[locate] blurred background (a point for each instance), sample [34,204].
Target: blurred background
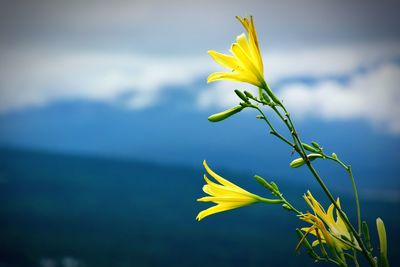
[103,128]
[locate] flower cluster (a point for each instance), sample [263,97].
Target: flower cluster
[324,226]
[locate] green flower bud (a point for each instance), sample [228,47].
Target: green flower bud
[316,145]
[266,99]
[242,96]
[286,207]
[310,148]
[334,156]
[225,114]
[275,186]
[383,260]
[297,163]
[264,183]
[367,237]
[304,241]
[313,156]
[300,161]
[248,94]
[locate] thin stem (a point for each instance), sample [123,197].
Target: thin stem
[290,205]
[355,258]
[353,184]
[273,131]
[270,201]
[342,215]
[327,192]
[302,153]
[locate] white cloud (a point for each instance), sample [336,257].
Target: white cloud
[29,78]
[373,96]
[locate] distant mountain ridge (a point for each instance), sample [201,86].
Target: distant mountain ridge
[181,135]
[100,211]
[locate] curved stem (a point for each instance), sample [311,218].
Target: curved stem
[353,184]
[273,131]
[341,213]
[300,149]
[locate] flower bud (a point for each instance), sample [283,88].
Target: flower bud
[275,186]
[297,163]
[264,183]
[266,99]
[310,148]
[367,237]
[225,114]
[241,96]
[383,260]
[304,241]
[248,94]
[316,145]
[300,161]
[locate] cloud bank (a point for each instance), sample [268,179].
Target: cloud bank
[339,83]
[33,78]
[373,96]
[358,82]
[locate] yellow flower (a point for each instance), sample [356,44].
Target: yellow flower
[226,195]
[246,62]
[325,227]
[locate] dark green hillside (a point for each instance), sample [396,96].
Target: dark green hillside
[103,212]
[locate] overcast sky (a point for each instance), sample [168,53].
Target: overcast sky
[99,50]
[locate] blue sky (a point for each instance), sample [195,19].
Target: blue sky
[127,78]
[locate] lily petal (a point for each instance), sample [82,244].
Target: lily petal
[226,61]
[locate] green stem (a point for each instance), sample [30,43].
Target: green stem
[273,131]
[353,184]
[355,258]
[342,215]
[302,153]
[270,201]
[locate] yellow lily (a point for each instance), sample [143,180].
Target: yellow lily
[337,235]
[246,61]
[226,195]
